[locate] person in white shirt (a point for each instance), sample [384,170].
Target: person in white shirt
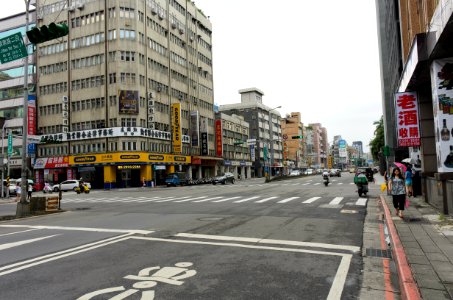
[18,191]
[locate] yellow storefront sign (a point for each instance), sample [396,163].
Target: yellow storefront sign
[124,157]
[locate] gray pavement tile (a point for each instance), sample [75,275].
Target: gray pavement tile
[413,251]
[434,294]
[429,282]
[417,259]
[414,245]
[407,238]
[446,277]
[437,257]
[423,269]
[449,287]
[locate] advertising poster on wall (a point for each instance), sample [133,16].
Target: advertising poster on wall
[194,128]
[128,102]
[176,124]
[442,86]
[407,121]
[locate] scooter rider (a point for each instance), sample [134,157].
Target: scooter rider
[325,175]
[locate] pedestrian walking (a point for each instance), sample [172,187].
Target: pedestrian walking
[408,181]
[18,191]
[397,189]
[29,190]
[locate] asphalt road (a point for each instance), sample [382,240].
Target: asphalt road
[292,239]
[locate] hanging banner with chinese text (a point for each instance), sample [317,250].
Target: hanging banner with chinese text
[407,122]
[218,138]
[442,87]
[176,124]
[194,128]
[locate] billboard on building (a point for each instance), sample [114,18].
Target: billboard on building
[218,138]
[407,121]
[128,102]
[31,124]
[176,124]
[204,136]
[442,87]
[194,128]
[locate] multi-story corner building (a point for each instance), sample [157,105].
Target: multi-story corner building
[12,92]
[127,96]
[320,146]
[232,134]
[293,140]
[264,129]
[420,33]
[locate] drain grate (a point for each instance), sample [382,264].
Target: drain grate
[378,253]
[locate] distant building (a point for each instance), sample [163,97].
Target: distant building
[320,146]
[293,145]
[268,138]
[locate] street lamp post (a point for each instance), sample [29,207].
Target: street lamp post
[271,143]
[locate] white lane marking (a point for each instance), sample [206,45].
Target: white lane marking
[336,201]
[57,255]
[311,200]
[351,183]
[131,231]
[190,199]
[317,183]
[268,241]
[288,199]
[226,199]
[11,233]
[306,183]
[167,199]
[20,243]
[265,199]
[361,201]
[340,278]
[247,199]
[209,199]
[340,183]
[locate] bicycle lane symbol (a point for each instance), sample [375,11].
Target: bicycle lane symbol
[145,281]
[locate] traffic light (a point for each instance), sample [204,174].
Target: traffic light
[297,137]
[46,33]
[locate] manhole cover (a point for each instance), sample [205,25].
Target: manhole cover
[210,219]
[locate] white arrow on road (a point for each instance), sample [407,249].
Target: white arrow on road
[15,244]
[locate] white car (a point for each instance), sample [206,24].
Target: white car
[68,185]
[294,173]
[308,172]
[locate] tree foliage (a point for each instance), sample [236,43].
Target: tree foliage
[378,142]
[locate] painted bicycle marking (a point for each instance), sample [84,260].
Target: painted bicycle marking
[146,281]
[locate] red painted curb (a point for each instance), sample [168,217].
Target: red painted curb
[409,288]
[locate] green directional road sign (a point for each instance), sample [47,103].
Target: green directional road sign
[12,47]
[10,144]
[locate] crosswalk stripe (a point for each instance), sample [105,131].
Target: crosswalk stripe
[209,199]
[222,200]
[307,183]
[288,199]
[166,200]
[311,200]
[265,199]
[361,201]
[190,199]
[340,183]
[247,199]
[317,183]
[336,200]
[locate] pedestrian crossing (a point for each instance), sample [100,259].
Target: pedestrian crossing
[306,184]
[329,201]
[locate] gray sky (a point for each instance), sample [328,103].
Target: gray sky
[319,58]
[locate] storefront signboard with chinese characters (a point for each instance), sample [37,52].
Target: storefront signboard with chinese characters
[442,87]
[407,121]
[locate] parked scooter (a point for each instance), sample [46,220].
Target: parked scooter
[47,188]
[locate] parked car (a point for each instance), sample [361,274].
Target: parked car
[175,179]
[335,172]
[69,185]
[227,177]
[294,173]
[309,172]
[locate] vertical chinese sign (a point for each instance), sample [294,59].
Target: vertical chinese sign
[194,128]
[176,124]
[204,136]
[407,122]
[442,87]
[31,115]
[218,138]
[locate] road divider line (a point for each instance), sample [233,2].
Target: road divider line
[311,200]
[336,201]
[265,199]
[23,242]
[288,199]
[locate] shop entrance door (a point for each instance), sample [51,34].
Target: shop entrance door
[126,178]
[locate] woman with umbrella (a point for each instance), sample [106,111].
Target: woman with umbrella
[397,190]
